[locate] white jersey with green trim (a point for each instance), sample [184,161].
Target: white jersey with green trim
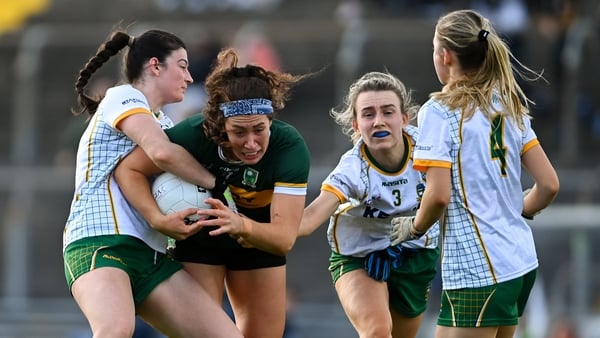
[98,206]
[370,197]
[485,239]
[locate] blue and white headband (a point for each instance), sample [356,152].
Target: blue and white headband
[246,107]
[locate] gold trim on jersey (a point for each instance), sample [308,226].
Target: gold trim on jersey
[467,207]
[136,110]
[333,190]
[112,205]
[291,185]
[251,199]
[406,157]
[342,209]
[530,145]
[422,165]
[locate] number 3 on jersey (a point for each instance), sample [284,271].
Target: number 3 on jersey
[497,148]
[397,197]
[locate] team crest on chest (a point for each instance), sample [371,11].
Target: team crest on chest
[250,177]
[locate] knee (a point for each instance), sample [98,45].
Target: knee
[377,329]
[115,329]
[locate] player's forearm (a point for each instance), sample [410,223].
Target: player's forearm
[136,188]
[308,225]
[279,235]
[539,198]
[435,198]
[427,215]
[276,239]
[318,212]
[312,219]
[178,161]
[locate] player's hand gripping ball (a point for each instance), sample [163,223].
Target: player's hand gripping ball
[173,194]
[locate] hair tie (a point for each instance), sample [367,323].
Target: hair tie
[483,34]
[131,41]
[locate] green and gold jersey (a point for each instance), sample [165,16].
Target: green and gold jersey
[283,169]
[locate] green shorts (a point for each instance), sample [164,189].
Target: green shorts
[408,285]
[495,305]
[146,267]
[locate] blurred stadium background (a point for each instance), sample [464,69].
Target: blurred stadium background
[43,44]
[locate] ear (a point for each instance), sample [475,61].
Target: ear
[355,125]
[447,57]
[405,119]
[153,63]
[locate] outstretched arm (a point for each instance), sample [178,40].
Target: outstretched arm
[318,212]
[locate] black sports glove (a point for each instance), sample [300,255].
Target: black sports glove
[379,263]
[221,192]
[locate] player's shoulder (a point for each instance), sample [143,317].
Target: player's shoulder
[286,135]
[190,127]
[194,121]
[284,128]
[356,150]
[349,164]
[435,107]
[124,95]
[353,156]
[124,90]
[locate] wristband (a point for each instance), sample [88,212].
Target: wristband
[527,217]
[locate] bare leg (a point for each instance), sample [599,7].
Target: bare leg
[179,307]
[405,327]
[465,332]
[102,289]
[506,331]
[210,277]
[366,303]
[258,299]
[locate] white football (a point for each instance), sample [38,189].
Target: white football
[173,194]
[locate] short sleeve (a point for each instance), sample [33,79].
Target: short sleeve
[344,179]
[529,137]
[434,141]
[121,102]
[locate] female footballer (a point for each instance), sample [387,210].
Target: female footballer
[475,136]
[383,288]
